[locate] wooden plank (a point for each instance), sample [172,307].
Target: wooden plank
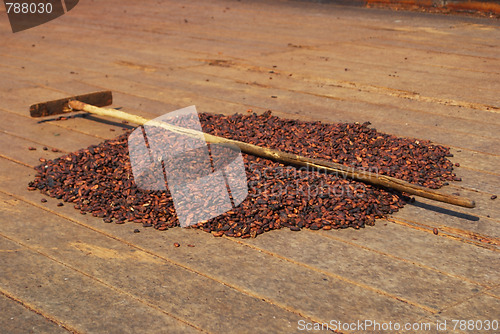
[57,291]
[335,257]
[468,262]
[49,133]
[476,160]
[394,79]
[484,307]
[476,180]
[469,226]
[20,152]
[15,318]
[409,58]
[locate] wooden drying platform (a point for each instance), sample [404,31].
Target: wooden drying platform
[416,75]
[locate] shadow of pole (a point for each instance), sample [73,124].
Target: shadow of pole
[444,211]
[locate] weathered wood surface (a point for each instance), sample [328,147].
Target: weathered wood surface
[415,75]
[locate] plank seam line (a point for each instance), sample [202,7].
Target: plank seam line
[479,170]
[33,309]
[370,88]
[463,301]
[154,88]
[471,150]
[15,161]
[235,287]
[30,140]
[338,277]
[420,265]
[403,220]
[489,293]
[321,47]
[492,294]
[459,187]
[466,299]
[448,234]
[109,286]
[421,49]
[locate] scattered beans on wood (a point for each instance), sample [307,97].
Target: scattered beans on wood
[99,180]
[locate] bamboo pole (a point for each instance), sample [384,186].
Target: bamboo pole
[288,158]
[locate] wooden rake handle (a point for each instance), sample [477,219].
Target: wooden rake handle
[288,158]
